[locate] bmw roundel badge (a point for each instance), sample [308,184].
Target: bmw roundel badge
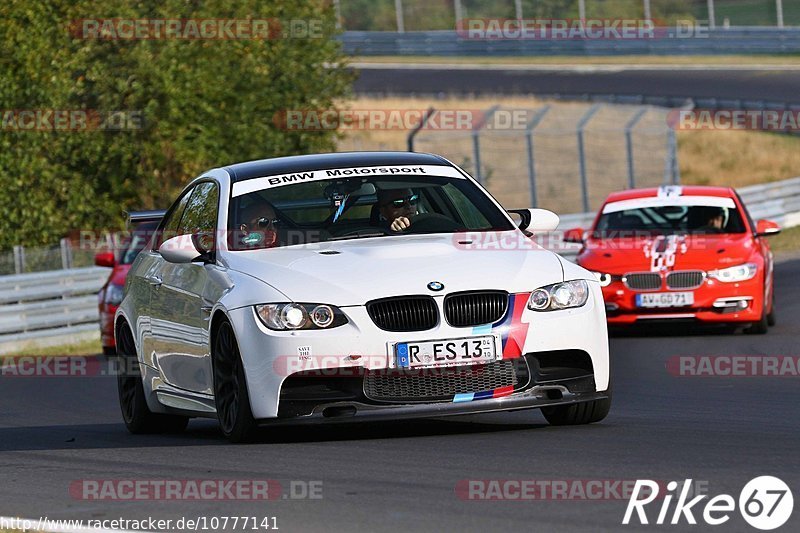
[436,286]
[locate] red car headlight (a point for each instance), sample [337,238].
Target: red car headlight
[735,273]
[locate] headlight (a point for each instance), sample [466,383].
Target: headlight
[604,279]
[291,316]
[736,273]
[114,294]
[559,296]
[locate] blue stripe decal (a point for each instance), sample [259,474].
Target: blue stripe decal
[463,397]
[482,330]
[482,395]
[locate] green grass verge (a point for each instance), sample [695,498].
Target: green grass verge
[91,347]
[786,241]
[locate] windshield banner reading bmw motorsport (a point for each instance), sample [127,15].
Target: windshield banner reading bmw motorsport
[257,184]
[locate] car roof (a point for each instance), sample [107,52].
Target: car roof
[303,163]
[685,190]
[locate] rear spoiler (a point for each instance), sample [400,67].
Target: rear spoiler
[154,215]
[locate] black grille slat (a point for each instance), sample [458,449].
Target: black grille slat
[406,313]
[685,279]
[441,384]
[468,309]
[643,281]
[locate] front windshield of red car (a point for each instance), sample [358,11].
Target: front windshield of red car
[670,219]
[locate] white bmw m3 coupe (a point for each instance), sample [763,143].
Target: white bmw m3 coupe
[350,287]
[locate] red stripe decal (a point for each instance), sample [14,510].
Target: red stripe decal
[517,331]
[503,391]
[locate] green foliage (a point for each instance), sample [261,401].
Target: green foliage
[203,103]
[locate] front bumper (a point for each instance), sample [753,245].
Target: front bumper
[715,302]
[534,398]
[270,357]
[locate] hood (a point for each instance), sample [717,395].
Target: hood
[666,252]
[353,272]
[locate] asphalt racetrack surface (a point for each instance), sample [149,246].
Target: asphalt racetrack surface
[731,84]
[720,432]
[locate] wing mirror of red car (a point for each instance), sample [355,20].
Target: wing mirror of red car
[574,235]
[765,228]
[104,259]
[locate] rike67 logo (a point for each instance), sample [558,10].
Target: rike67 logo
[765,503]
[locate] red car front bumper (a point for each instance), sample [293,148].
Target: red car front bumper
[714,302]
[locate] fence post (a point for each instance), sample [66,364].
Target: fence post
[582,10]
[672,174]
[629,145]
[711,22]
[19,259]
[582,155]
[337,9]
[518,9]
[647,13]
[779,10]
[413,133]
[401,23]
[66,254]
[537,118]
[458,11]
[476,143]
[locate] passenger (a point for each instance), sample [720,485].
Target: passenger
[258,225]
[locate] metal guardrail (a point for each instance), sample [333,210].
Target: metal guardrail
[48,304]
[63,303]
[738,40]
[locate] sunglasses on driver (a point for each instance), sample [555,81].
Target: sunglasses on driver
[403,202]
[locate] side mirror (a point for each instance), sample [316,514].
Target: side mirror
[104,259]
[181,249]
[765,228]
[574,235]
[536,220]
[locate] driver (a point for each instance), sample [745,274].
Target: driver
[715,220]
[397,206]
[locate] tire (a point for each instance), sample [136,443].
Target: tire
[230,387]
[578,413]
[762,326]
[138,418]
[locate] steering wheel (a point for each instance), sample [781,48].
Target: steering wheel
[432,223]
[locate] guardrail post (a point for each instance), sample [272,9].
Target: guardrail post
[629,144]
[19,259]
[66,254]
[410,140]
[537,118]
[582,154]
